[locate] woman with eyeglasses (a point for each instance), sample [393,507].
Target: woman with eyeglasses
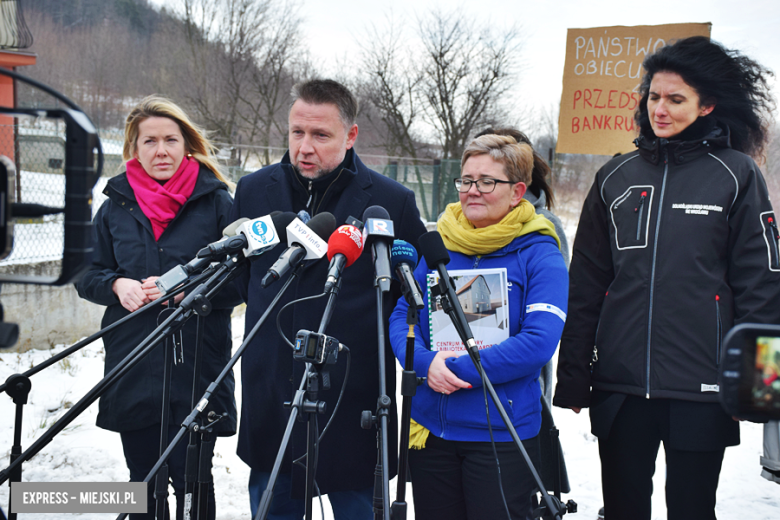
[457,449]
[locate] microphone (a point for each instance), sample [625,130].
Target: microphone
[403,260]
[306,242]
[344,247]
[180,273]
[251,236]
[234,240]
[436,254]
[378,233]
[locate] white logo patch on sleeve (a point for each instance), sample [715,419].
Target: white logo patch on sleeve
[710,388]
[546,307]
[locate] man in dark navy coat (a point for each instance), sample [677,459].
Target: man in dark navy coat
[320,173]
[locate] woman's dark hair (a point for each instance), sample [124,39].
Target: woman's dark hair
[541,170]
[737,85]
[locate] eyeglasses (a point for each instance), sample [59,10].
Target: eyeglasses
[486,185]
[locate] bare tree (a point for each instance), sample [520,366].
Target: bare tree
[447,88]
[392,85]
[281,61]
[467,69]
[223,37]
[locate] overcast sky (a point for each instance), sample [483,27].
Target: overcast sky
[332,29]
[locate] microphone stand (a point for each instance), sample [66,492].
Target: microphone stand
[192,463]
[367,420]
[311,406]
[171,324]
[409,384]
[199,304]
[18,386]
[161,485]
[451,305]
[189,423]
[102,332]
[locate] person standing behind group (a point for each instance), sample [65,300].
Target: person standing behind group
[171,201]
[540,194]
[452,462]
[321,172]
[677,243]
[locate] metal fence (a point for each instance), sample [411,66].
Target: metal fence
[39,157]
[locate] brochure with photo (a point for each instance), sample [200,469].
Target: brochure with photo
[484,297]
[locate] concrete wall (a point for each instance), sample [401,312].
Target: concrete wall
[47,315]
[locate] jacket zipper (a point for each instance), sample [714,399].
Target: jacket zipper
[308,202]
[652,272]
[640,209]
[775,237]
[719,327]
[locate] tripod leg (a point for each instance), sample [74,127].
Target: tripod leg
[205,480]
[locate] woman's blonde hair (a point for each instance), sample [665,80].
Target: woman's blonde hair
[196,143]
[517,158]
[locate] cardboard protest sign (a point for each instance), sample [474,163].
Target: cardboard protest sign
[601,83]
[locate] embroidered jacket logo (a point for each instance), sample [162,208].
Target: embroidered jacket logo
[698,209]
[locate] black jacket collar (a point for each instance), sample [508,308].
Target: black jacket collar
[693,142]
[315,195]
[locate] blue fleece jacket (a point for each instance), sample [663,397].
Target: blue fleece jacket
[536,274]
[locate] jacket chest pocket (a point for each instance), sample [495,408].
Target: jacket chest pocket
[771,236]
[630,214]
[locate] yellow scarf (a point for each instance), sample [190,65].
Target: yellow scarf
[460,235]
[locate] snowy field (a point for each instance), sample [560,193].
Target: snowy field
[84,452]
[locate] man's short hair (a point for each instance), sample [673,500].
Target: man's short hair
[321,91]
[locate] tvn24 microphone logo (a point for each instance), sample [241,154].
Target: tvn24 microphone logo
[263,233]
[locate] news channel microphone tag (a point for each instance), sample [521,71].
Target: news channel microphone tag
[378,227]
[402,249]
[299,233]
[260,233]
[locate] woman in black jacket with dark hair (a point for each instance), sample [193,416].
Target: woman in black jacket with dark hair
[676,244]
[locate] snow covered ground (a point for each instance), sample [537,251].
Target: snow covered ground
[84,452]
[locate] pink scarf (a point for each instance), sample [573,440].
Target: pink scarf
[161,203]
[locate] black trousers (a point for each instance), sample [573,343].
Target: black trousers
[459,481]
[628,457]
[142,448]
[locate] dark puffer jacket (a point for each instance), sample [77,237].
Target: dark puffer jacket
[125,247]
[677,243]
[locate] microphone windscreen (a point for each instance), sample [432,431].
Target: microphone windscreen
[375,212]
[231,229]
[281,221]
[346,240]
[322,224]
[402,252]
[433,250]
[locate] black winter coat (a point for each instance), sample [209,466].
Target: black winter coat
[125,247]
[347,454]
[675,246]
